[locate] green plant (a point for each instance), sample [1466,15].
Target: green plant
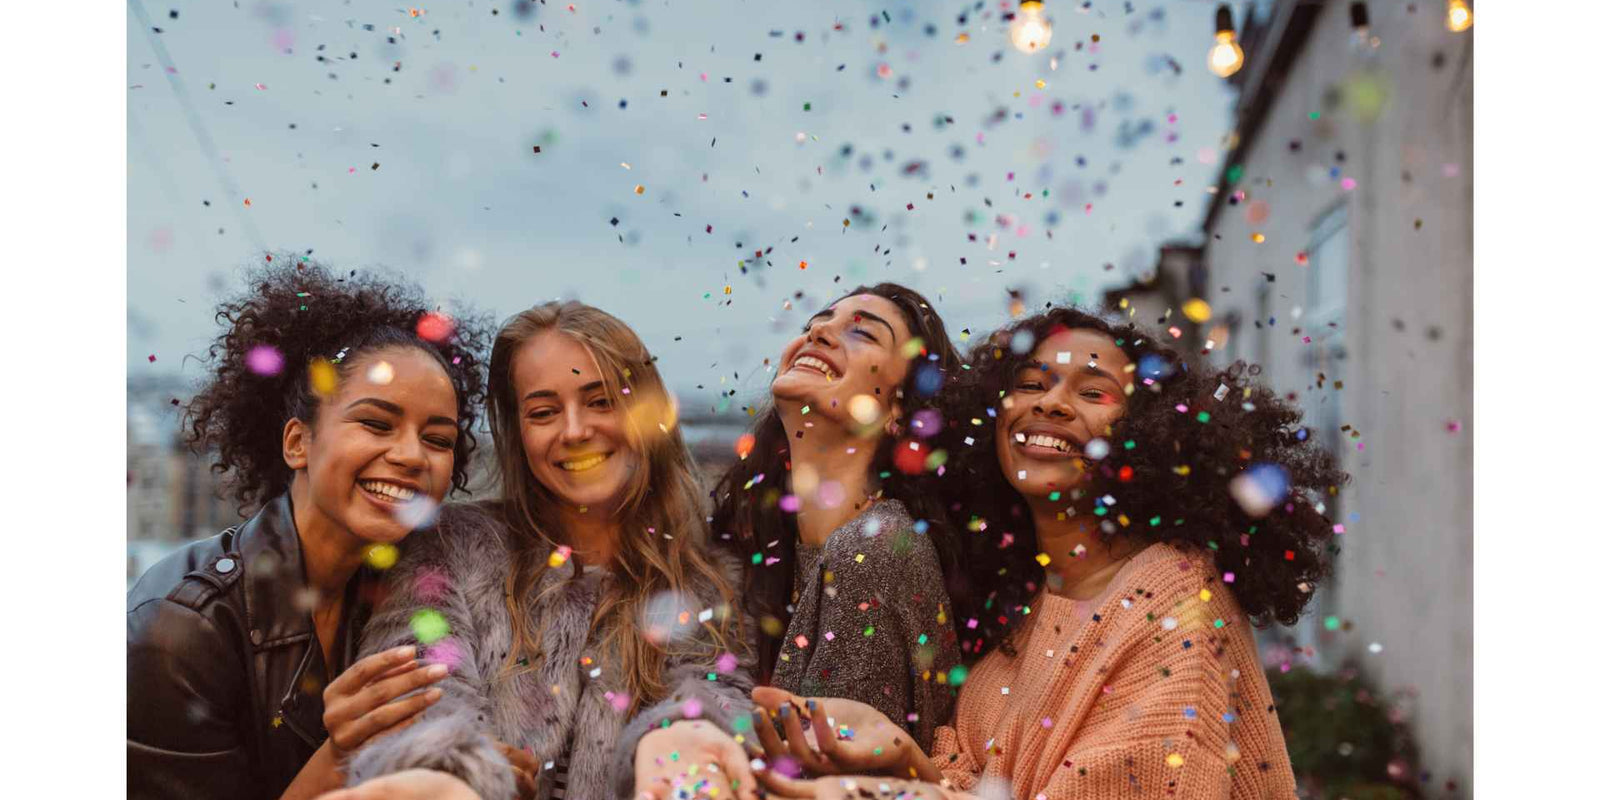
[1344,743]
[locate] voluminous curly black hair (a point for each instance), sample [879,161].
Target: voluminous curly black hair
[1186,434]
[748,518]
[296,311]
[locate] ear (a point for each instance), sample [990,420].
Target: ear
[895,425]
[296,438]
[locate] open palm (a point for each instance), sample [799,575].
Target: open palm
[843,736]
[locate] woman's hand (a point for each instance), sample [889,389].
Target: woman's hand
[524,767]
[360,705]
[845,736]
[411,784]
[849,787]
[665,756]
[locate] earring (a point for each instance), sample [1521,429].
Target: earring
[892,427]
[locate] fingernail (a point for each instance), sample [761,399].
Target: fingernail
[409,651]
[811,705]
[438,671]
[435,693]
[783,711]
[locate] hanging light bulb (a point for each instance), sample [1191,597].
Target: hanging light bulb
[1459,17]
[1030,31]
[1361,38]
[1226,57]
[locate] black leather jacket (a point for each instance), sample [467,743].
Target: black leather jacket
[225,674]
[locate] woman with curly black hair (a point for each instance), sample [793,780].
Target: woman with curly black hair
[1132,513]
[343,408]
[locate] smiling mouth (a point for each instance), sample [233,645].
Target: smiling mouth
[386,492]
[817,364]
[1039,441]
[583,463]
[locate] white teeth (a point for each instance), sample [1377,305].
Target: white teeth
[389,490]
[816,364]
[587,462]
[1045,441]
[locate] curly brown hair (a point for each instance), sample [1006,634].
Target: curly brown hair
[1188,431]
[294,311]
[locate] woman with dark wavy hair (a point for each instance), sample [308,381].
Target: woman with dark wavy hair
[851,567]
[343,408]
[1133,513]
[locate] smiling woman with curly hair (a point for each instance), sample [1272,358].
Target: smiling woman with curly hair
[341,407]
[1130,513]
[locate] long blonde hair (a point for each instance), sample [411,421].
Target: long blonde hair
[664,531]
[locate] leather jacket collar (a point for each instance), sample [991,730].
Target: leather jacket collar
[270,545]
[273,585]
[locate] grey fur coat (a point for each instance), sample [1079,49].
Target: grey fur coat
[458,570]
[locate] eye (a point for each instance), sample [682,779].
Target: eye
[442,443]
[376,425]
[1030,386]
[863,332]
[541,413]
[600,402]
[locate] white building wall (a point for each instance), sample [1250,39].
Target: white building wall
[1405,575]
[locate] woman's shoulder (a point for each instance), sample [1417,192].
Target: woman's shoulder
[885,541]
[461,533]
[179,620]
[1166,567]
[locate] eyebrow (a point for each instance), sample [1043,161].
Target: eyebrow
[584,389]
[1093,372]
[827,313]
[397,410]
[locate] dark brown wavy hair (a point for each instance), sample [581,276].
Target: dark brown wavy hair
[1168,471]
[303,311]
[748,518]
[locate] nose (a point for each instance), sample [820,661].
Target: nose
[823,333]
[407,453]
[1055,404]
[576,428]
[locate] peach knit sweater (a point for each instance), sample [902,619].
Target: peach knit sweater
[1152,690]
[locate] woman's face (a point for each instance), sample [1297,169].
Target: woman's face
[851,349]
[1070,393]
[573,433]
[378,460]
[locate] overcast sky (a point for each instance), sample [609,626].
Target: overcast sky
[377,135]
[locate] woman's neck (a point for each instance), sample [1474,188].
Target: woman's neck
[1082,561]
[331,552]
[592,532]
[828,452]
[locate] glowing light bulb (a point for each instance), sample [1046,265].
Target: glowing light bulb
[1459,16]
[1226,56]
[1030,31]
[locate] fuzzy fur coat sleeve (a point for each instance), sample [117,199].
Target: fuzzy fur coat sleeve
[702,685]
[443,590]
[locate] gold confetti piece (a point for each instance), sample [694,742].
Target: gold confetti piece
[381,556]
[638,189]
[324,377]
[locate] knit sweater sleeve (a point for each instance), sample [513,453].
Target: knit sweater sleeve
[702,684]
[433,590]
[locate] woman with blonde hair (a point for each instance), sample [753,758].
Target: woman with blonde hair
[582,607]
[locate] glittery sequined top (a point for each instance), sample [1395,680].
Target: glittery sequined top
[872,622]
